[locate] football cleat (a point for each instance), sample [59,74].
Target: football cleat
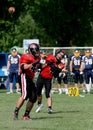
[18,92]
[49,110]
[10,92]
[39,107]
[26,118]
[84,91]
[15,115]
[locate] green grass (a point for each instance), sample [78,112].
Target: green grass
[69,113]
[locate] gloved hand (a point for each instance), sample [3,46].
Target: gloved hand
[55,70]
[8,73]
[35,63]
[81,72]
[50,63]
[63,75]
[33,69]
[71,73]
[60,74]
[18,73]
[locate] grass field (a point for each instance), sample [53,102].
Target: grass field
[69,113]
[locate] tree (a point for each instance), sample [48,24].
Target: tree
[54,22]
[65,21]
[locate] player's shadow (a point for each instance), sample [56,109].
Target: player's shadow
[47,117]
[55,112]
[73,111]
[57,116]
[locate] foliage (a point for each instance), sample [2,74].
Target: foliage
[66,21]
[28,29]
[55,23]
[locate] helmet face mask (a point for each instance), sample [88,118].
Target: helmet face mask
[34,49]
[59,54]
[43,53]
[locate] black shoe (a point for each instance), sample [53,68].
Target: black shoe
[49,110]
[15,115]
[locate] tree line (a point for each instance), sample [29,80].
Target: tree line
[59,23]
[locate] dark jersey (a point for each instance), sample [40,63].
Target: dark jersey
[88,62]
[76,61]
[14,63]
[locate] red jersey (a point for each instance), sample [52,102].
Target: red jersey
[28,59]
[61,65]
[51,58]
[46,72]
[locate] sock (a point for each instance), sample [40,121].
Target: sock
[39,102]
[11,90]
[88,87]
[50,107]
[60,90]
[16,110]
[66,90]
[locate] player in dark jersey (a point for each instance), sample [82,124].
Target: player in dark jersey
[13,69]
[87,68]
[28,66]
[75,64]
[48,70]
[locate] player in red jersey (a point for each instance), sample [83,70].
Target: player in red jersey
[48,71]
[63,76]
[28,65]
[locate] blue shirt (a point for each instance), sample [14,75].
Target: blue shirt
[76,61]
[88,62]
[14,63]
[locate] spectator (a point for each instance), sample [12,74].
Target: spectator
[87,68]
[75,64]
[13,70]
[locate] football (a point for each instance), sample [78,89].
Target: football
[11,9]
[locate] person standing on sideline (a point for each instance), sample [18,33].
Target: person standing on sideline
[28,66]
[87,68]
[75,65]
[13,70]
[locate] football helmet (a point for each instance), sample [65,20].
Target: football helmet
[27,51]
[76,53]
[88,52]
[43,53]
[34,49]
[59,54]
